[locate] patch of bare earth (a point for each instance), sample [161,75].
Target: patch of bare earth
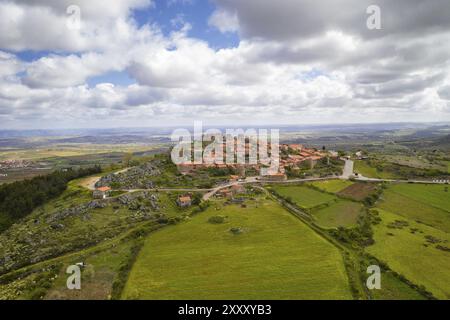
[358,191]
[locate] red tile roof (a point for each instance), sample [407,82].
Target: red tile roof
[104,189]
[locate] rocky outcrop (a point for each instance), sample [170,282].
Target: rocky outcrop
[135,178]
[51,234]
[143,201]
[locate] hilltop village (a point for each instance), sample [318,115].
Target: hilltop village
[292,157]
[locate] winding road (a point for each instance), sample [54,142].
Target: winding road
[347,174]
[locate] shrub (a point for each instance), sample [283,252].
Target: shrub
[216,220]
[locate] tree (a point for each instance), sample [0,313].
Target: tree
[20,198]
[127,159]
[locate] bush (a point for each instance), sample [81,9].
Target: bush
[38,294]
[216,220]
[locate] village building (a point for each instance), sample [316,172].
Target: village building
[184,201]
[295,155]
[101,193]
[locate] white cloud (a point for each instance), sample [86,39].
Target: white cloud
[296,61]
[224,20]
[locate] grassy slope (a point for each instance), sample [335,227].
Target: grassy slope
[363,168]
[342,213]
[434,195]
[329,211]
[419,203]
[98,276]
[394,289]
[104,260]
[303,196]
[78,232]
[406,254]
[276,257]
[332,186]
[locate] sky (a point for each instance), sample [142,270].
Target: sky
[144,63]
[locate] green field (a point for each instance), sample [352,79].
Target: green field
[434,195]
[394,289]
[363,168]
[428,204]
[303,196]
[407,251]
[342,213]
[332,186]
[275,256]
[97,277]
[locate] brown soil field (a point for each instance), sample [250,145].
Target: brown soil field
[358,191]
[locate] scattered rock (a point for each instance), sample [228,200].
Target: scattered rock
[236,230]
[57,226]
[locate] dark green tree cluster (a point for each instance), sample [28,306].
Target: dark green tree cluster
[20,198]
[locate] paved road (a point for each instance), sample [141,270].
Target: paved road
[252,180]
[348,169]
[362,178]
[346,174]
[167,189]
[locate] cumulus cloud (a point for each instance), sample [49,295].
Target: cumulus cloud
[224,20]
[294,19]
[297,60]
[42,24]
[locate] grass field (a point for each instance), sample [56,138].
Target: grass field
[303,196]
[364,169]
[97,277]
[275,256]
[407,251]
[429,204]
[342,213]
[332,186]
[394,289]
[434,195]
